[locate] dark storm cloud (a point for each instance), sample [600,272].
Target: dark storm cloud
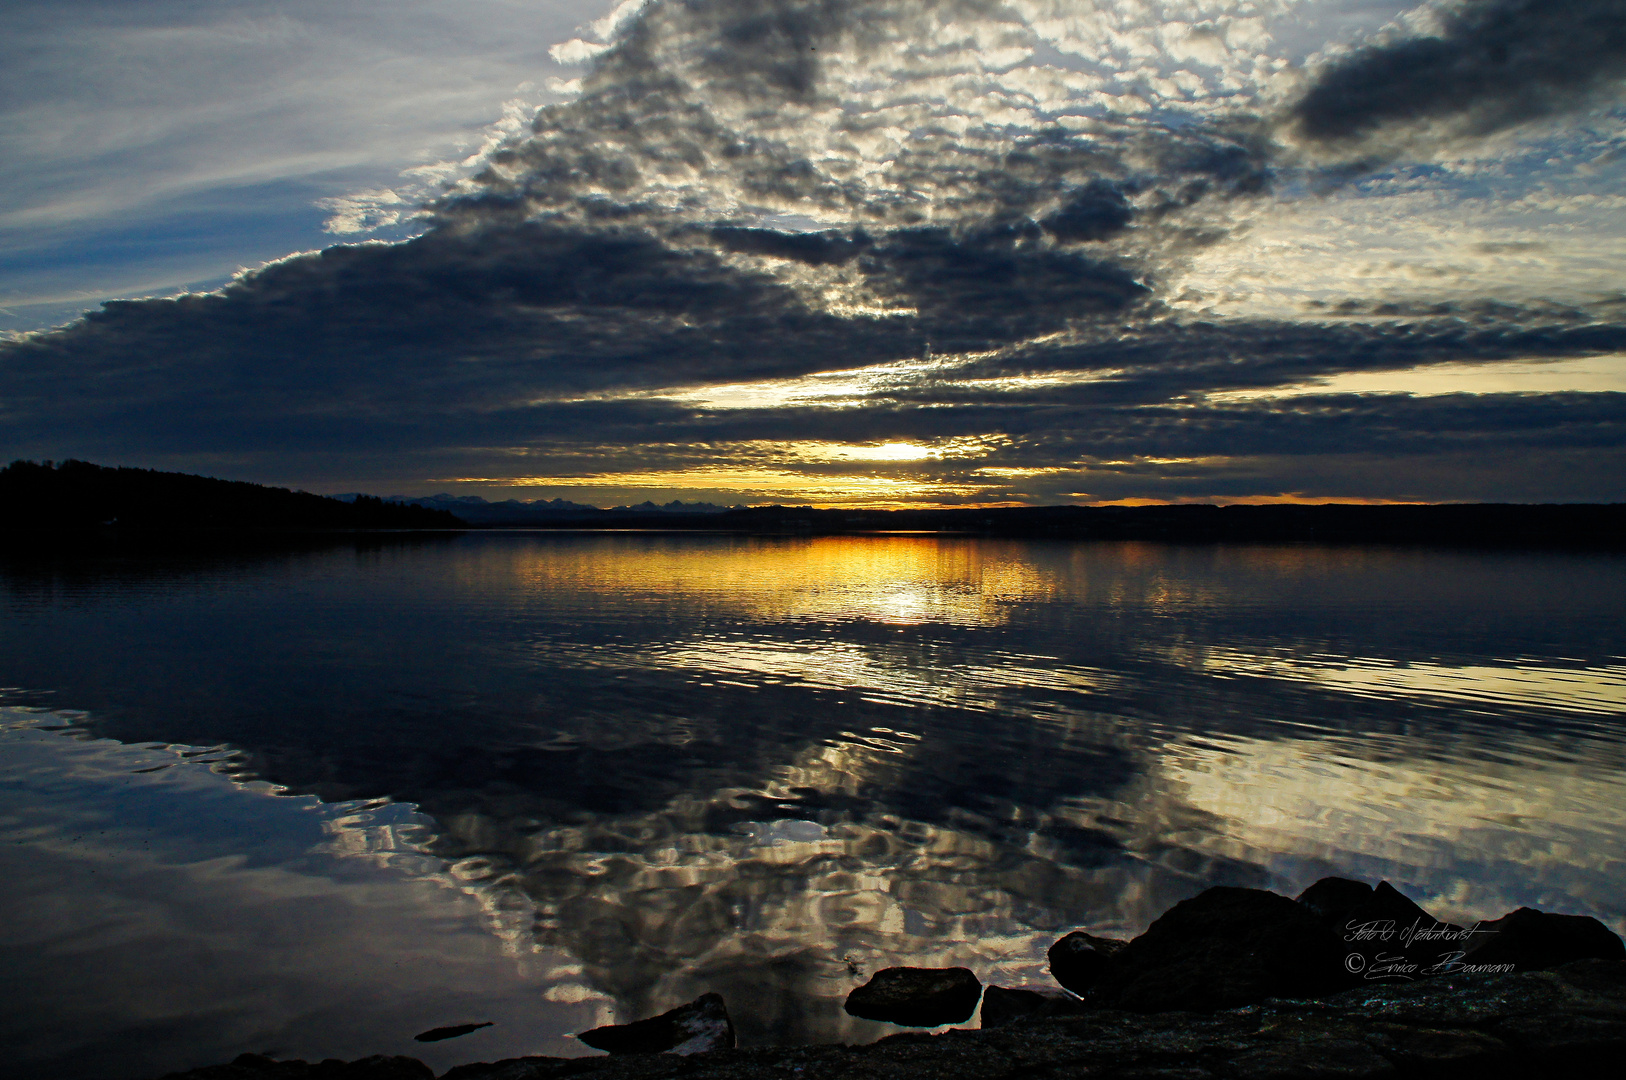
[995,284]
[1494,64]
[450,321]
[1043,432]
[1383,424]
[1166,359]
[815,249]
[478,318]
[1096,212]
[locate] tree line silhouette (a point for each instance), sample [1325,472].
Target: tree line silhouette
[76,495]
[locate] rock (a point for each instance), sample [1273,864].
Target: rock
[525,1068]
[701,1025]
[917,997]
[1077,960]
[1223,948]
[1534,940]
[260,1067]
[1570,1045]
[1313,1059]
[1002,1005]
[1335,898]
[450,1031]
[1391,935]
[387,1067]
[1570,1022]
[1600,978]
[1434,1051]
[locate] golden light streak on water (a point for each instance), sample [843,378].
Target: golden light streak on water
[1598,691]
[899,580]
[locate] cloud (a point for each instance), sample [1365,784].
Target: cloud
[1492,64]
[875,112]
[758,193]
[178,141]
[576,51]
[1095,212]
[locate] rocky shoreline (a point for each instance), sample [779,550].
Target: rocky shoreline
[1346,981]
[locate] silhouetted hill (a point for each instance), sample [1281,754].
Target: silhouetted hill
[77,494]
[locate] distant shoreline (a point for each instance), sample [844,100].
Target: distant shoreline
[77,499]
[1591,527]
[1577,528]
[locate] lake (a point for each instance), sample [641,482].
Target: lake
[317,799]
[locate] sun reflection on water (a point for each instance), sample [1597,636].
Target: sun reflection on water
[884,579]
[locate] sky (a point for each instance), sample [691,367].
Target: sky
[837,252]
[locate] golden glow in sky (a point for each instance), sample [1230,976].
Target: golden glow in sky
[1591,374]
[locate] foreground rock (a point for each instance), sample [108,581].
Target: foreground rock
[1567,1022]
[1228,947]
[259,1067]
[1006,1005]
[1531,940]
[1079,960]
[1223,948]
[1385,928]
[917,997]
[701,1025]
[1233,984]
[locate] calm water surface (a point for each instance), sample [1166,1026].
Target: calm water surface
[315,802]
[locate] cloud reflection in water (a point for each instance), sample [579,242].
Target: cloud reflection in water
[678,764]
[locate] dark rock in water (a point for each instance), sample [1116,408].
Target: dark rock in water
[701,1025]
[917,997]
[1568,1022]
[1078,960]
[1534,940]
[450,1031]
[1385,934]
[1003,1005]
[1347,905]
[1391,905]
[1335,898]
[1223,948]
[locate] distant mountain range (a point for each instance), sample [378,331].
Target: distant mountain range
[477,511]
[1579,526]
[77,494]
